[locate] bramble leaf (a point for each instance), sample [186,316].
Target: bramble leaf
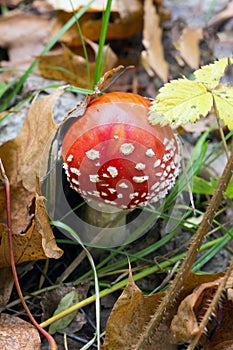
[223,101]
[211,74]
[183,101]
[179,102]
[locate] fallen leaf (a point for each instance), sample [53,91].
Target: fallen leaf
[133,311]
[50,302]
[126,20]
[15,27]
[128,317]
[223,15]
[18,334]
[188,45]
[191,311]
[67,301]
[32,235]
[65,65]
[153,56]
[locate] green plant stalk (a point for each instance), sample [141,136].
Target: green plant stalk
[83,45]
[220,129]
[54,86]
[213,251]
[43,52]
[145,273]
[105,20]
[170,302]
[114,288]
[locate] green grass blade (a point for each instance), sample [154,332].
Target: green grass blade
[105,20]
[89,256]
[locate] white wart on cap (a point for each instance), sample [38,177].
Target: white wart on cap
[113,155]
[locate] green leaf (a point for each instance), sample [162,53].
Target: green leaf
[201,186]
[67,301]
[223,102]
[179,102]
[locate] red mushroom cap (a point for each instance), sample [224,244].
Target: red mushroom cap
[112,154]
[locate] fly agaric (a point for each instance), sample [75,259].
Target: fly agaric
[114,156]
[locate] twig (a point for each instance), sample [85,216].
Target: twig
[4,178]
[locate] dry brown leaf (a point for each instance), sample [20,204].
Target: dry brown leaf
[11,3]
[6,285]
[191,311]
[185,324]
[23,34]
[21,157]
[188,45]
[65,65]
[128,317]
[199,126]
[223,15]
[153,56]
[18,334]
[133,311]
[126,20]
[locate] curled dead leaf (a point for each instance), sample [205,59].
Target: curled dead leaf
[63,64]
[191,311]
[153,56]
[32,235]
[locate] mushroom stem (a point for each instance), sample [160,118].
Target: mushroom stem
[106,224]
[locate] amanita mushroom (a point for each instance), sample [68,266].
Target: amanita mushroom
[116,158]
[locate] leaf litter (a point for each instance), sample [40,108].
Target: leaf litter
[29,216]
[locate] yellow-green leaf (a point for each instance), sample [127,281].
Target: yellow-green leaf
[211,74]
[223,101]
[67,301]
[179,102]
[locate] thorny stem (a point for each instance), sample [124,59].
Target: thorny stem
[4,177]
[170,302]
